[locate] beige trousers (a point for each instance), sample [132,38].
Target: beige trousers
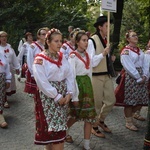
[104,96]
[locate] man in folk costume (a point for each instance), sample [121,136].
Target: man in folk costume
[101,75]
[35,48]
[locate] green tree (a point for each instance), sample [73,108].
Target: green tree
[20,15]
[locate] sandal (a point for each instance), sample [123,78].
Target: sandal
[104,127]
[131,127]
[138,117]
[3,123]
[6,105]
[69,139]
[97,133]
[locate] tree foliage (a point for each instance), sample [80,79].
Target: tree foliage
[19,16]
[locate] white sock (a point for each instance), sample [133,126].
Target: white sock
[87,143]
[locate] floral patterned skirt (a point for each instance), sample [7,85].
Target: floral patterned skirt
[135,94]
[130,93]
[86,110]
[51,118]
[2,91]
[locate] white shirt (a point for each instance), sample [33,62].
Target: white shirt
[32,52]
[79,69]
[4,67]
[23,51]
[147,58]
[9,52]
[96,59]
[21,43]
[47,71]
[66,49]
[131,60]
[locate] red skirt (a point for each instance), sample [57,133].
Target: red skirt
[30,84]
[24,70]
[119,91]
[42,135]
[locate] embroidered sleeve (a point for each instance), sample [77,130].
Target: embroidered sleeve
[125,52]
[38,61]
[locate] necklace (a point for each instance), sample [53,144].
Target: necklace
[86,62]
[81,53]
[51,55]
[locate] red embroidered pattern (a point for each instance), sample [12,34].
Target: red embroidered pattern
[87,62]
[6,51]
[58,63]
[70,46]
[134,49]
[38,46]
[1,64]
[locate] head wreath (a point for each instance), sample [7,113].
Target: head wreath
[52,31]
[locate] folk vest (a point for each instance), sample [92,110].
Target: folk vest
[101,68]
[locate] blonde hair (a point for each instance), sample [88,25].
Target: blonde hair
[3,32]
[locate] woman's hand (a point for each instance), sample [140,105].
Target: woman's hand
[76,103]
[143,80]
[67,97]
[62,101]
[17,71]
[7,85]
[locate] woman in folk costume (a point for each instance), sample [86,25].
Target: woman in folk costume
[8,51]
[54,79]
[132,92]
[5,79]
[82,105]
[68,46]
[34,49]
[137,114]
[147,135]
[22,56]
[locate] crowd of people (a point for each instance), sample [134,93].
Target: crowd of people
[70,80]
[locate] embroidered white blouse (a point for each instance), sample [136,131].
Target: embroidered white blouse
[131,61]
[47,71]
[147,57]
[23,52]
[66,49]
[79,69]
[4,67]
[32,52]
[9,52]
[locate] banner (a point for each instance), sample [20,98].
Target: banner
[109,5]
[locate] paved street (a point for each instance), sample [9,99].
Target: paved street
[20,133]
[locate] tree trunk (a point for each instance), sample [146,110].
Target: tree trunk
[117,25]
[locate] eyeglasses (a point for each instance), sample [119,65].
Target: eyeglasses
[134,36]
[4,36]
[43,34]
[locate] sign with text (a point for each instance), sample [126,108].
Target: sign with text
[109,5]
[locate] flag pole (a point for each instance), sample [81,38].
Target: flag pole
[108,29]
